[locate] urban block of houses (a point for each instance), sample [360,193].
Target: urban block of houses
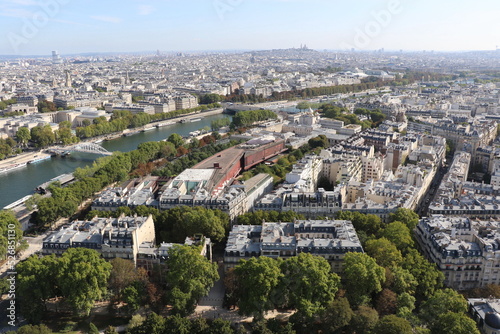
[330,239]
[112,237]
[466,250]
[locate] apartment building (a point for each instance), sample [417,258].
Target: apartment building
[330,239]
[112,237]
[466,250]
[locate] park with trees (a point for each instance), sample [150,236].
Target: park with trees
[373,117]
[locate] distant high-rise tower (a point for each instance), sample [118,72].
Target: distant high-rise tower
[127,79]
[68,79]
[56,58]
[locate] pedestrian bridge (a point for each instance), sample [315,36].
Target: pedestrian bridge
[82,148]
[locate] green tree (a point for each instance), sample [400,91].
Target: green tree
[364,320]
[83,276]
[406,216]
[4,285]
[65,136]
[337,315]
[454,323]
[136,321]
[43,136]
[34,329]
[33,201]
[450,147]
[220,326]
[46,106]
[428,276]
[154,324]
[131,297]
[36,283]
[362,277]
[405,305]
[399,234]
[175,224]
[384,252]
[257,280]
[319,141]
[190,277]
[65,124]
[307,283]
[176,139]
[303,106]
[48,211]
[220,123]
[23,136]
[167,150]
[402,281]
[200,325]
[257,217]
[110,330]
[369,224]
[246,118]
[392,324]
[442,301]
[11,234]
[210,98]
[175,324]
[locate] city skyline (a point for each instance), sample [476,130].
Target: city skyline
[34,27]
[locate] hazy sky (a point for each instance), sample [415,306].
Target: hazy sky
[74,26]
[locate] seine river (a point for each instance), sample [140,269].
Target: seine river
[21,182]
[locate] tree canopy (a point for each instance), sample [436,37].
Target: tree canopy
[246,118]
[441,302]
[11,234]
[400,235]
[362,277]
[83,277]
[406,216]
[307,283]
[384,252]
[23,135]
[454,323]
[37,282]
[257,280]
[257,217]
[190,276]
[428,276]
[392,324]
[175,224]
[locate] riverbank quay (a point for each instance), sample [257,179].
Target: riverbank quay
[21,160]
[27,157]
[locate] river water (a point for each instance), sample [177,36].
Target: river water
[21,182]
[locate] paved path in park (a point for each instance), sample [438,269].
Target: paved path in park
[210,307]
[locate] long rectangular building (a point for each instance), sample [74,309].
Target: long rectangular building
[330,239]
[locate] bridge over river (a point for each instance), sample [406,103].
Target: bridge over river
[82,148]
